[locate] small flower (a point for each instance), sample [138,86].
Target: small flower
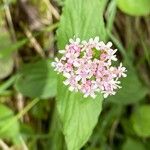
[88,88]
[87,67]
[111,55]
[121,71]
[76,41]
[72,82]
[58,65]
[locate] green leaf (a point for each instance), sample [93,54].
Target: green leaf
[141,121]
[6,63]
[83,19]
[37,80]
[6,66]
[4,38]
[132,90]
[6,116]
[6,46]
[78,115]
[132,144]
[134,7]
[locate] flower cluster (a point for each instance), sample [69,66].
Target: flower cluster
[87,67]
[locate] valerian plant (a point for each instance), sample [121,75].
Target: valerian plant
[86,74]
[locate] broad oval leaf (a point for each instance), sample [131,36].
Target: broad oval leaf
[134,7]
[78,115]
[83,19]
[37,80]
[141,121]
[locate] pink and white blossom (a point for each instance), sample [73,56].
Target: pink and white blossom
[87,67]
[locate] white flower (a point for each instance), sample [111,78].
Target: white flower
[121,71]
[76,41]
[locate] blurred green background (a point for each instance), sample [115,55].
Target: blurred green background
[28,44]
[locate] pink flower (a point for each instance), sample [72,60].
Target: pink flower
[72,82]
[88,88]
[87,67]
[68,67]
[83,70]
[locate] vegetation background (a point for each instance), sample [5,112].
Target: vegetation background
[28,43]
